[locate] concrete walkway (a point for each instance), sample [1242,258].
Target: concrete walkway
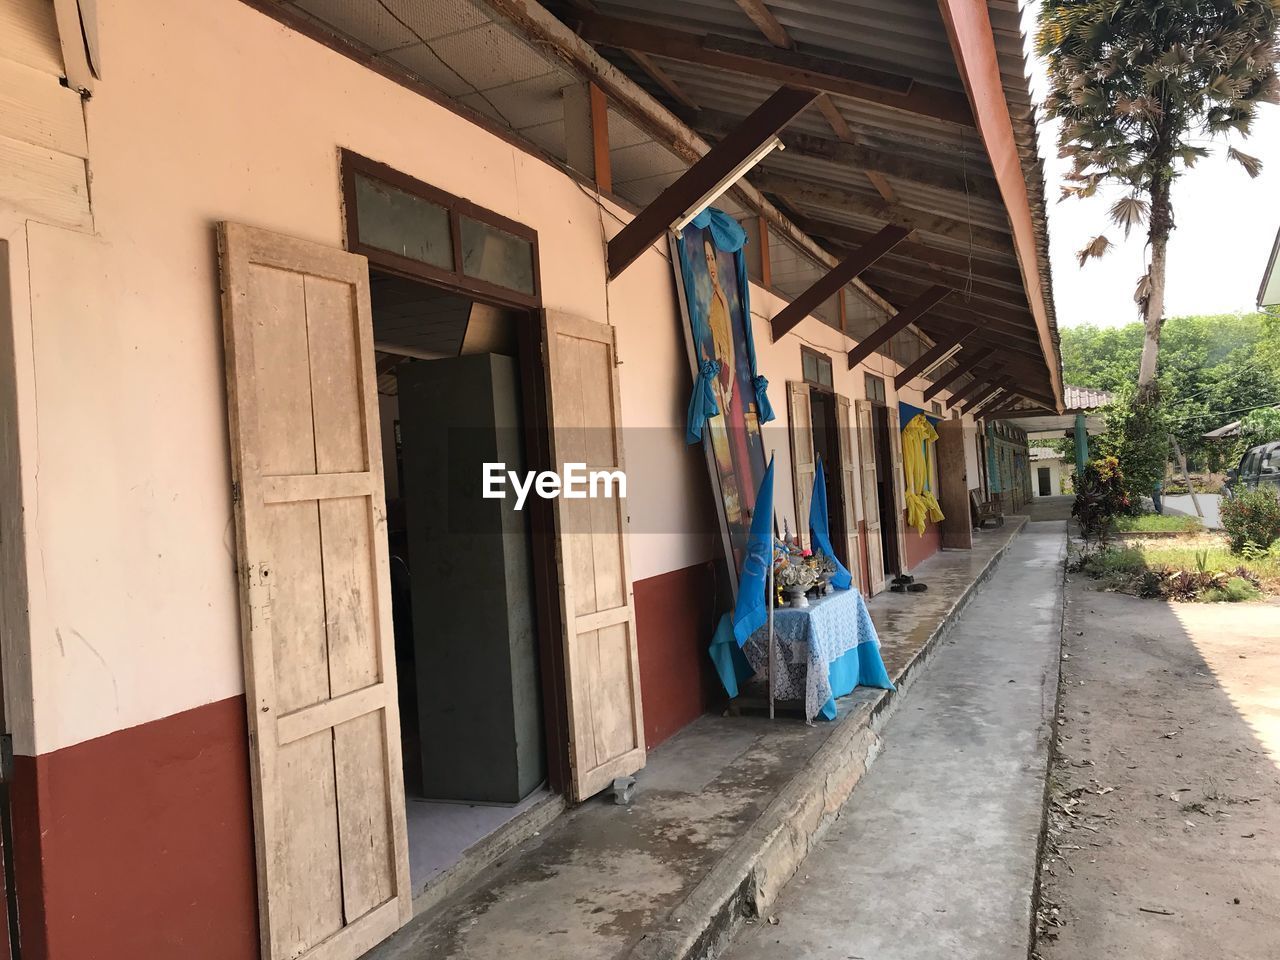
[724,812]
[935,853]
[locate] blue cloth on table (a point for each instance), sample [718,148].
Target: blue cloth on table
[822,652]
[842,579]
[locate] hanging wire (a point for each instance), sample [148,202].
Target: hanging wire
[968,212]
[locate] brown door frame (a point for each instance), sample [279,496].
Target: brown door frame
[848,511]
[889,519]
[537,435]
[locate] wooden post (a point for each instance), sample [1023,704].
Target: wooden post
[1182,462]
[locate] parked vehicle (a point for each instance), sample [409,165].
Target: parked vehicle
[1260,464]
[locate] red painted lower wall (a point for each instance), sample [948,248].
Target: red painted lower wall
[675,615]
[920,549]
[139,844]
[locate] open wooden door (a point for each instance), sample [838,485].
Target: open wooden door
[602,666]
[803,462]
[953,483]
[898,480]
[870,497]
[319,663]
[848,484]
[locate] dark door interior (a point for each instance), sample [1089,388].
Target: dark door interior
[1043,476]
[826,445]
[888,507]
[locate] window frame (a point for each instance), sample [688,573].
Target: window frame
[818,358]
[456,207]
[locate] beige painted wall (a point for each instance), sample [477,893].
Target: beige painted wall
[212,111]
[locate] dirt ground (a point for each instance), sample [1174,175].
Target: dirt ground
[1164,830]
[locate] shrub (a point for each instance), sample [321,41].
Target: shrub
[1100,498]
[1235,590]
[1252,517]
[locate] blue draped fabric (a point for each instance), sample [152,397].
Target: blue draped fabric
[752,609]
[819,526]
[727,235]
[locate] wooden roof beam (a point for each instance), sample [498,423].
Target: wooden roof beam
[823,72]
[1007,314]
[907,315]
[915,250]
[755,131]
[959,370]
[828,197]
[848,152]
[971,289]
[767,23]
[931,356]
[834,280]
[983,397]
[982,381]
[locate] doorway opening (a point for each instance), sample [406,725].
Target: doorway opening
[889,518]
[1046,487]
[464,601]
[826,446]
[457,330]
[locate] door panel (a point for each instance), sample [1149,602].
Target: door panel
[803,468]
[848,483]
[602,668]
[870,494]
[897,483]
[333,869]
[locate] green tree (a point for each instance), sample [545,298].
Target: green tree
[1136,84]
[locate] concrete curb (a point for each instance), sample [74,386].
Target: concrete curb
[747,880]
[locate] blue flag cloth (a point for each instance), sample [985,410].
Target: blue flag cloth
[752,609]
[727,235]
[842,579]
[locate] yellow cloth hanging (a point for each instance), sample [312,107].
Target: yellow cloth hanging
[918,437]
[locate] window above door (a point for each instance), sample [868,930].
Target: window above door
[816,368]
[416,230]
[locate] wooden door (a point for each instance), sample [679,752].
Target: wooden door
[848,484]
[897,483]
[865,414]
[803,462]
[319,662]
[953,486]
[602,667]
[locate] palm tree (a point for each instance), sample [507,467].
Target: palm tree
[1140,87]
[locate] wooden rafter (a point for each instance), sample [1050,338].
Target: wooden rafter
[767,23]
[976,401]
[959,370]
[652,222]
[1009,314]
[830,73]
[904,317]
[847,151]
[982,381]
[916,250]
[828,197]
[927,359]
[661,78]
[973,290]
[830,283]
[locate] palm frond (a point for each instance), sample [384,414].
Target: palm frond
[1127,212]
[1143,292]
[1095,248]
[1252,165]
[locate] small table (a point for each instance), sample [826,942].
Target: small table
[821,652]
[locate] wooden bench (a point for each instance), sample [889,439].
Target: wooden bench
[982,512]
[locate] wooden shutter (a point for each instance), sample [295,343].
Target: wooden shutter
[898,480]
[803,467]
[606,723]
[319,662]
[870,496]
[848,485]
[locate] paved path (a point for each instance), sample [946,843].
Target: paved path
[935,853]
[1181,504]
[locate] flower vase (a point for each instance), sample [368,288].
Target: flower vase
[796,598]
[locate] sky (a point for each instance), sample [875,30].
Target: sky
[1225,226]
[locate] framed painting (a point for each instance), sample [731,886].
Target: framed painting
[729,402]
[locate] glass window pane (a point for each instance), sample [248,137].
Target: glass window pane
[401,223]
[809,366]
[824,371]
[496,256]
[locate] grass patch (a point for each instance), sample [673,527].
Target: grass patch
[1158,523]
[1202,569]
